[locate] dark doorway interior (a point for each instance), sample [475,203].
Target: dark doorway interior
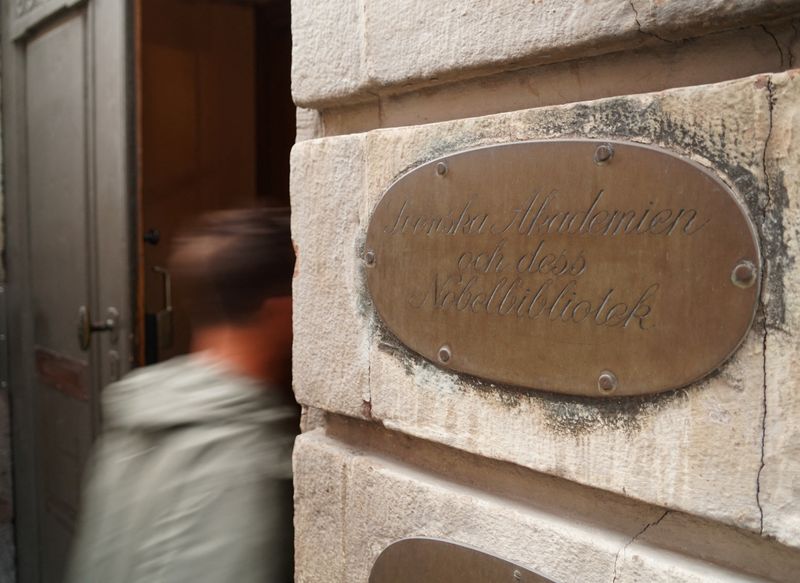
[216,124]
[275,110]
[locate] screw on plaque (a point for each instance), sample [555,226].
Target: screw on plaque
[744,274]
[441,168]
[607,382]
[445,354]
[369,258]
[603,154]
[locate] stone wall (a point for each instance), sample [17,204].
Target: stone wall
[701,483]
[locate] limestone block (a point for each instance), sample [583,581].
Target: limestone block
[320,482]
[671,20]
[681,534]
[712,58]
[440,38]
[780,476]
[308,125]
[351,505]
[331,343]
[346,51]
[327,47]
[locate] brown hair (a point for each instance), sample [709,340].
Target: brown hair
[229,262]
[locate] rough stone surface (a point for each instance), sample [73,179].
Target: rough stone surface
[708,59]
[697,449]
[327,49]
[682,534]
[670,20]
[352,504]
[320,490]
[331,349]
[780,477]
[346,50]
[309,125]
[439,38]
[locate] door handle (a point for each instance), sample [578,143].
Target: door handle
[87,327]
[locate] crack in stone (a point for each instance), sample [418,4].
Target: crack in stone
[639,25]
[644,529]
[777,45]
[763,435]
[767,206]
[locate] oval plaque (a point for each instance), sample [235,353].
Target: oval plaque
[578,267]
[439,561]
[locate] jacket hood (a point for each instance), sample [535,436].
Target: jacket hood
[188,390]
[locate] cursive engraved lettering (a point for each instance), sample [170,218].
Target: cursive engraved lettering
[457,222]
[483,262]
[536,217]
[547,301]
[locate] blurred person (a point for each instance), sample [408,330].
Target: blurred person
[191,477]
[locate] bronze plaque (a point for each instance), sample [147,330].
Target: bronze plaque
[431,560]
[578,267]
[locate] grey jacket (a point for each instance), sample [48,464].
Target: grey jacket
[190,481]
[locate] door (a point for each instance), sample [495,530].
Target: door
[216,124]
[65,138]
[197,141]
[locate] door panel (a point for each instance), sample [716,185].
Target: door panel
[65,89]
[57,182]
[57,196]
[58,230]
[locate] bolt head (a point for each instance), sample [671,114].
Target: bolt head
[441,168]
[445,354]
[607,381]
[744,274]
[369,258]
[603,154]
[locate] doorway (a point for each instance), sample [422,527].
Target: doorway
[122,121]
[216,125]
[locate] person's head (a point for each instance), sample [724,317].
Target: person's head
[236,269]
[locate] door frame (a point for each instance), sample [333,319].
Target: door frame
[112,135]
